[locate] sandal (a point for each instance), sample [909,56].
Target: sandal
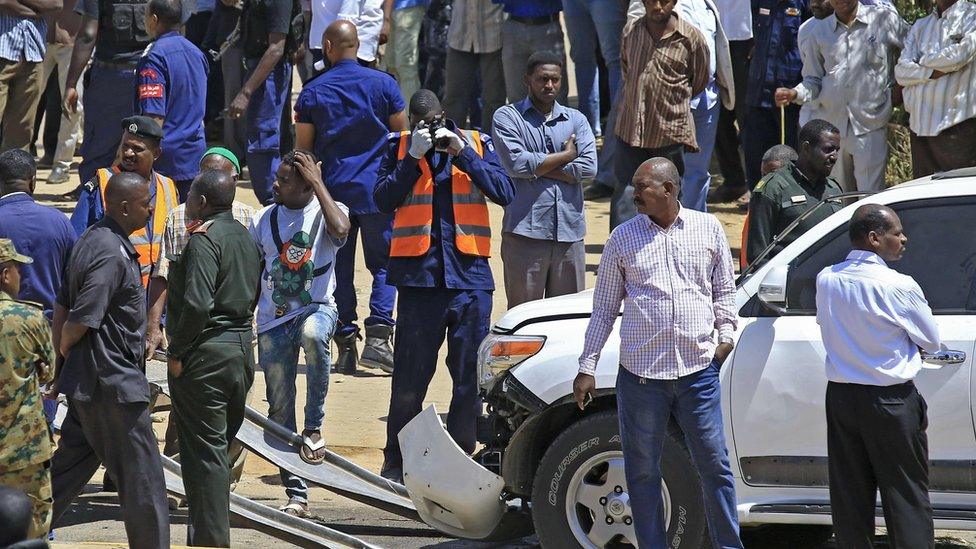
[309,447]
[295,508]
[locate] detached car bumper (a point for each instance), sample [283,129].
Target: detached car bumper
[451,491]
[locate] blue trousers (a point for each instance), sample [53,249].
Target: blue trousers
[696,180]
[108,99]
[644,407]
[762,131]
[590,23]
[263,128]
[376,230]
[278,356]
[425,316]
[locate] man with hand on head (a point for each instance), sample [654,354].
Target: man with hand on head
[669,362]
[215,285]
[299,237]
[437,185]
[543,228]
[172,90]
[344,116]
[874,322]
[137,154]
[99,329]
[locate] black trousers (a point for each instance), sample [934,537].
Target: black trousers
[625,163]
[876,440]
[119,436]
[762,131]
[727,135]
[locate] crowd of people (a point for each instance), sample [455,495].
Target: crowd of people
[412,115]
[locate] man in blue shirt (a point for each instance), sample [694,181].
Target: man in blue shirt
[265,26]
[41,232]
[437,184]
[172,90]
[344,116]
[543,229]
[532,25]
[775,64]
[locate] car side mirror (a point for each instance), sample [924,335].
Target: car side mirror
[772,289]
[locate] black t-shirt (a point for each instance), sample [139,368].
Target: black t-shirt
[122,37]
[259,19]
[102,289]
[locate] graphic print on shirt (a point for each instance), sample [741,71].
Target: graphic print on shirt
[291,274]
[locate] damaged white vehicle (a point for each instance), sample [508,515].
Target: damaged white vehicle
[544,458]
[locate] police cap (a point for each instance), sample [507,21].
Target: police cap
[142,126]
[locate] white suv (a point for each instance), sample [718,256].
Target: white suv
[545,458]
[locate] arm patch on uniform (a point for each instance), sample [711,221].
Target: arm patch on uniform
[149,73]
[150,91]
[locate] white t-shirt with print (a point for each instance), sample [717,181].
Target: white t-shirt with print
[299,267]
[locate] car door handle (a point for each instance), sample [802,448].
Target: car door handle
[944,357]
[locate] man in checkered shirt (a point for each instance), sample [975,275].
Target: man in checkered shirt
[672,270]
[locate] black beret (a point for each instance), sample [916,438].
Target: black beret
[142,126]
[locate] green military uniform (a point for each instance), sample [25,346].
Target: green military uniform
[26,363]
[213,289]
[780,198]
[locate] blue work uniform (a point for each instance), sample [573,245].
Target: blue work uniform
[775,64]
[440,291]
[90,208]
[268,100]
[350,107]
[172,84]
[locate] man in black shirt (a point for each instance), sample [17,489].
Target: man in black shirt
[99,332]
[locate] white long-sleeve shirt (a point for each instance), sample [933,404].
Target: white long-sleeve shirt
[946,43]
[847,69]
[873,320]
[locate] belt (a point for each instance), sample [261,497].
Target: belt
[543,20]
[124,66]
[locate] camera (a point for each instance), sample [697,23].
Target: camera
[435,124]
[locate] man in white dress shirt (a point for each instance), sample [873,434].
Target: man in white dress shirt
[671,268]
[874,321]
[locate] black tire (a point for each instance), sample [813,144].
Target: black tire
[588,438]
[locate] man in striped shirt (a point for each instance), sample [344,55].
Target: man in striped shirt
[665,62]
[937,67]
[672,270]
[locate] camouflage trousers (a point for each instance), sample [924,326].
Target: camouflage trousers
[35,481]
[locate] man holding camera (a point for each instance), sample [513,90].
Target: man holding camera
[435,181]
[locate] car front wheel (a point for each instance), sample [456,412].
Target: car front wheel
[580,497]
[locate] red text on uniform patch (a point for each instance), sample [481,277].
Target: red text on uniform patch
[149,91]
[149,73]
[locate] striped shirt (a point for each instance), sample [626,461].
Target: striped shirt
[175,235]
[22,38]
[476,26]
[847,69]
[659,82]
[677,290]
[946,43]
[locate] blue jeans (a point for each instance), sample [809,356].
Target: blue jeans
[376,230]
[695,183]
[278,355]
[644,407]
[588,23]
[264,127]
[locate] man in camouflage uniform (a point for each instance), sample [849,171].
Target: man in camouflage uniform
[26,362]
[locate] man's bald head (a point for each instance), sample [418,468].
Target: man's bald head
[217,187]
[341,41]
[658,171]
[877,228]
[127,200]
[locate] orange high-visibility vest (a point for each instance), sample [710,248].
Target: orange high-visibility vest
[411,226]
[166,201]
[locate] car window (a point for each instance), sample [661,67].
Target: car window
[940,255]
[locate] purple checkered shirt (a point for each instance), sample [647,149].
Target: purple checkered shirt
[677,288]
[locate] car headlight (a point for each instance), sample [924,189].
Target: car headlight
[499,353]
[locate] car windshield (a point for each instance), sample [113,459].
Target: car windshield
[766,254]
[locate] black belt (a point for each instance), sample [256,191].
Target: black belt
[543,20]
[125,66]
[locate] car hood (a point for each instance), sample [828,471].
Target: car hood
[566,306]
